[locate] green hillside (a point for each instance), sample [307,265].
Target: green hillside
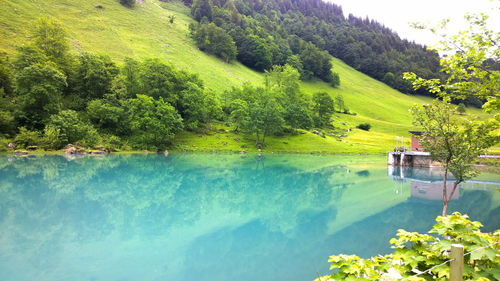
[145,31]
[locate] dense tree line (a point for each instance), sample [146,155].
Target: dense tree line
[50,96]
[304,33]
[259,42]
[277,105]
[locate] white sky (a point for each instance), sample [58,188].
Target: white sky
[396,14]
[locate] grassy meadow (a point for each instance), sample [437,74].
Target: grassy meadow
[145,31]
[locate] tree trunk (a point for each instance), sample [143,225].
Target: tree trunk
[455,184]
[445,197]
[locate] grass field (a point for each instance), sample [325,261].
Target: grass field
[145,31]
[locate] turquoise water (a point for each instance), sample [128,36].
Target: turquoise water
[211,217]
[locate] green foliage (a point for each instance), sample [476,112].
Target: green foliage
[316,63]
[382,107]
[415,252]
[364,126]
[7,123]
[212,109]
[197,106]
[72,128]
[389,79]
[294,61]
[6,75]
[50,37]
[257,111]
[161,80]
[39,89]
[323,107]
[4,144]
[453,141]
[52,138]
[191,106]
[26,138]
[272,31]
[107,114]
[27,56]
[202,9]
[253,51]
[111,142]
[335,80]
[94,75]
[284,82]
[340,104]
[214,40]
[239,109]
[130,71]
[153,122]
[472,53]
[461,109]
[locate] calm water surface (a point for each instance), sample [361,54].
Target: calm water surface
[210,217]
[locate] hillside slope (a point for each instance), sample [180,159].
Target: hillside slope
[145,31]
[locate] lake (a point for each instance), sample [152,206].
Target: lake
[211,217]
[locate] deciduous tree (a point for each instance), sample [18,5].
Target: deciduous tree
[153,122]
[39,89]
[469,56]
[94,75]
[453,141]
[323,107]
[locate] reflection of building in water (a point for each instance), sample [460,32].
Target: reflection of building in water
[431,190]
[427,183]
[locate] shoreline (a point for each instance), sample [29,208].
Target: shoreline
[145,152]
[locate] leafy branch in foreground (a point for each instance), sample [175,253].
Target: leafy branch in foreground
[471,62]
[427,254]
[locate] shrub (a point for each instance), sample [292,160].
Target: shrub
[364,126]
[111,142]
[91,137]
[52,138]
[26,138]
[461,109]
[4,144]
[335,80]
[72,128]
[127,3]
[7,123]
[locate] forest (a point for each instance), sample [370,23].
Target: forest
[304,34]
[51,96]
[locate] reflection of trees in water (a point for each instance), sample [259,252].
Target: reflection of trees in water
[413,215]
[149,195]
[225,251]
[273,210]
[491,221]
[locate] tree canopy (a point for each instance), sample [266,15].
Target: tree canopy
[453,141]
[471,64]
[306,33]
